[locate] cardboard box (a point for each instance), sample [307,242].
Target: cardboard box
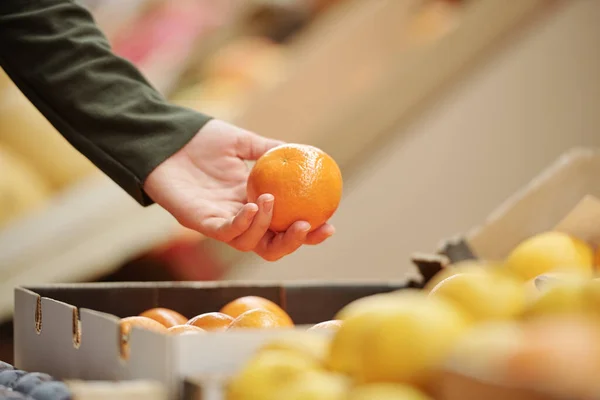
[563,198]
[71,331]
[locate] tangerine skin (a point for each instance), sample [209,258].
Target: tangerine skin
[246,303]
[305,181]
[211,321]
[165,316]
[259,319]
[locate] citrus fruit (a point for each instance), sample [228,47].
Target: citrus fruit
[212,321]
[483,296]
[407,344]
[332,325]
[305,181]
[560,296]
[261,377]
[126,324]
[469,266]
[375,302]
[242,304]
[307,344]
[165,316]
[259,318]
[184,329]
[314,385]
[386,391]
[550,251]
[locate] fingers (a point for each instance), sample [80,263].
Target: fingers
[250,239]
[226,230]
[275,246]
[320,234]
[251,146]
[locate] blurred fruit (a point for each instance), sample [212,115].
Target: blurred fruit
[22,190]
[332,325]
[550,251]
[483,296]
[165,316]
[9,394]
[30,381]
[5,366]
[259,318]
[305,181]
[374,302]
[53,390]
[469,266]
[126,324]
[319,385]
[559,296]
[386,391]
[185,330]
[305,344]
[10,377]
[560,355]
[483,352]
[242,304]
[264,374]
[410,342]
[597,258]
[212,321]
[27,132]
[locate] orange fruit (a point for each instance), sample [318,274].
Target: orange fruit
[259,318]
[242,304]
[305,181]
[126,324]
[333,325]
[184,329]
[212,321]
[165,316]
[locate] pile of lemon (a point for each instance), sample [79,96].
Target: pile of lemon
[530,321]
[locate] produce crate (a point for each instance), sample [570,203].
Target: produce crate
[71,331]
[564,197]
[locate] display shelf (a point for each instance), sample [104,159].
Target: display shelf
[84,233]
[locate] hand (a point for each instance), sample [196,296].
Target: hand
[203,186]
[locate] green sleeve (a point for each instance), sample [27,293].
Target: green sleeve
[57,56]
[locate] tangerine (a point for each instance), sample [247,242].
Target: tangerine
[259,318]
[212,321]
[184,329]
[242,304]
[165,316]
[305,181]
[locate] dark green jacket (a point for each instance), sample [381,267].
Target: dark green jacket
[57,56]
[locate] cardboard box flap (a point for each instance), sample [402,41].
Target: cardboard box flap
[540,205]
[583,221]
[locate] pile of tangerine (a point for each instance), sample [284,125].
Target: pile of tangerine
[248,312]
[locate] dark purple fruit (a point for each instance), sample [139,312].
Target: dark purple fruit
[10,377]
[30,381]
[53,390]
[4,366]
[8,394]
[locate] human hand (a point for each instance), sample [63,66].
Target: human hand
[203,186]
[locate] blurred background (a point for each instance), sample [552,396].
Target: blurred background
[436,111]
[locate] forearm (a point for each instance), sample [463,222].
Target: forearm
[99,102]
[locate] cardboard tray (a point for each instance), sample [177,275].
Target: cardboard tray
[71,331]
[564,197]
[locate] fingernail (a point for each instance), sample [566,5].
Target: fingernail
[330,230]
[268,204]
[304,227]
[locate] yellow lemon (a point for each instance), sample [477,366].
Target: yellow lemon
[314,386]
[550,251]
[386,391]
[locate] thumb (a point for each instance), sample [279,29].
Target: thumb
[252,146]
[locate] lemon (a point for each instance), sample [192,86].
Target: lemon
[560,296]
[314,386]
[305,344]
[483,296]
[550,251]
[386,391]
[405,344]
[469,266]
[267,372]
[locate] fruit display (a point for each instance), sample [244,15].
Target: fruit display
[248,312]
[305,181]
[16,384]
[525,327]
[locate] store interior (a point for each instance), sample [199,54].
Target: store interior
[436,111]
